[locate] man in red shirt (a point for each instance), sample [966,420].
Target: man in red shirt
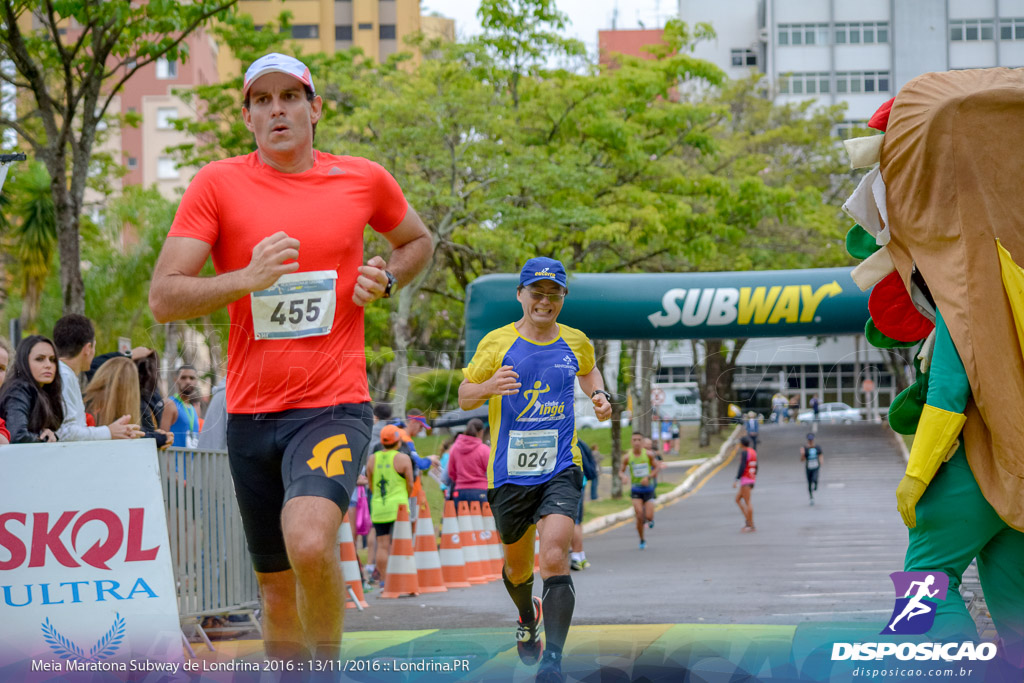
[284,226]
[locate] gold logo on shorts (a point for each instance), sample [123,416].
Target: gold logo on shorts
[330,455]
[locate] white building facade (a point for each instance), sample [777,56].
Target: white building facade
[859,52]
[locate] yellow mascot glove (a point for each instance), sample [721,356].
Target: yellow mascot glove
[934,443]
[908,493]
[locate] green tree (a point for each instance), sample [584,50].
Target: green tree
[71,81]
[33,236]
[521,36]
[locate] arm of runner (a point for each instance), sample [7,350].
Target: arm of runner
[178,293]
[411,249]
[504,382]
[743,463]
[403,466]
[591,382]
[169,416]
[803,453]
[369,468]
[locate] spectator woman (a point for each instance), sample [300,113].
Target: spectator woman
[467,464]
[30,398]
[446,483]
[114,392]
[151,402]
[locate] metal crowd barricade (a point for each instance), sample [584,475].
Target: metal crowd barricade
[207,542]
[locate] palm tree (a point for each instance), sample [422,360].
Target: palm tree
[33,235]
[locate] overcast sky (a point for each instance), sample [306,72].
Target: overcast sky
[587,17]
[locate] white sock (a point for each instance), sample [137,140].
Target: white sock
[583,555]
[575,556]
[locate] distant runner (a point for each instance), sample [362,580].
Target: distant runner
[745,480]
[638,470]
[810,456]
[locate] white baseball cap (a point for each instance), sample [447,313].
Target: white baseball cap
[277,62]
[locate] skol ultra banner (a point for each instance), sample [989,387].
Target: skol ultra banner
[86,582]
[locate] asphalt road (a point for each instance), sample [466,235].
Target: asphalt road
[827,562]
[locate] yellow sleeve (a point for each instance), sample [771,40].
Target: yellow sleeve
[581,347]
[487,358]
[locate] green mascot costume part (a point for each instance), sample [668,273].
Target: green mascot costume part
[941,229]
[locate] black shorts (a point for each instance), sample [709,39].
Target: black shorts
[302,452]
[383,528]
[642,494]
[517,508]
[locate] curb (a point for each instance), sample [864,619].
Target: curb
[902,445]
[687,485]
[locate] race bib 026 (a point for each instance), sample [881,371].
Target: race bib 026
[297,305]
[532,453]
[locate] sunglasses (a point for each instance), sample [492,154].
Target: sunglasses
[538,295]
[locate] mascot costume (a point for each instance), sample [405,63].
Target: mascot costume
[940,224]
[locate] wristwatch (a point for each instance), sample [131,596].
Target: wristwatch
[391,284]
[602,391]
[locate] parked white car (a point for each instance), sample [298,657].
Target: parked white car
[591,422]
[832,412]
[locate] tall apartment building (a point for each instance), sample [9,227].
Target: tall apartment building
[376,26]
[379,27]
[150,93]
[862,52]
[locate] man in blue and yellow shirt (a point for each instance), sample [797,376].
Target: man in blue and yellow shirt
[535,473]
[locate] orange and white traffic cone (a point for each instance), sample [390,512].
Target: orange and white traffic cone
[428,561]
[483,539]
[401,577]
[350,565]
[475,570]
[497,554]
[453,562]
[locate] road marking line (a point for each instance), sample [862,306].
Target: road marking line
[849,611]
[829,595]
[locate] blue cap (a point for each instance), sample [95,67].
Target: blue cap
[543,268]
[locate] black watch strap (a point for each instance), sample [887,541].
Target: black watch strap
[602,391]
[390,285]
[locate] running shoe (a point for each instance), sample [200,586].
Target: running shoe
[812,501]
[575,565]
[643,544]
[650,524]
[550,670]
[528,640]
[584,564]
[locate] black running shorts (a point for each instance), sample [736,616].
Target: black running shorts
[279,456]
[517,508]
[641,494]
[383,528]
